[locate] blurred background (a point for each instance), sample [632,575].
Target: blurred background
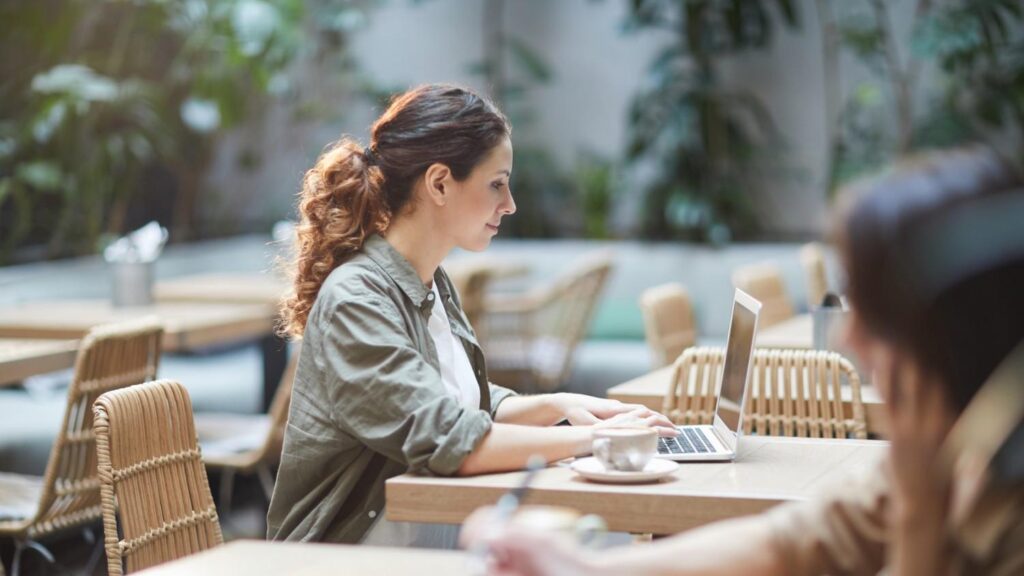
[707,121]
[690,145]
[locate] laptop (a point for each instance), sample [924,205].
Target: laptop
[719,440]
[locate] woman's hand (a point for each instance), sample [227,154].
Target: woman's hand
[641,417]
[582,410]
[920,418]
[511,551]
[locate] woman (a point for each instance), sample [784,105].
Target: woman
[391,378]
[934,253]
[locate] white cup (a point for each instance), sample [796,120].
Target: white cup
[625,449]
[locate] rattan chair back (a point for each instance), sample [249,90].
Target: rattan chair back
[471,282]
[790,393]
[152,478]
[764,282]
[669,326]
[530,340]
[110,357]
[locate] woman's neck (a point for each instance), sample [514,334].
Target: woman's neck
[418,241]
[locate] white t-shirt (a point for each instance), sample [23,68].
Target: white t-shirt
[456,371]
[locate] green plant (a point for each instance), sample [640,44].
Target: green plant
[596,182]
[105,104]
[708,144]
[511,70]
[962,80]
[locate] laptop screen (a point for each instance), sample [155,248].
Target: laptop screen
[739,349]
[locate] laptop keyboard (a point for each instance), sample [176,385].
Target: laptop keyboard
[689,441]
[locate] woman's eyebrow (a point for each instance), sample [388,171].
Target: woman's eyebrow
[505,172]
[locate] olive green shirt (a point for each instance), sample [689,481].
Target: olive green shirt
[368,401]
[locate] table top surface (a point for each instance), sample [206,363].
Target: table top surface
[239,288]
[796,332]
[24,357]
[186,324]
[768,471]
[257,557]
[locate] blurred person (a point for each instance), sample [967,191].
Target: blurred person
[391,378]
[934,254]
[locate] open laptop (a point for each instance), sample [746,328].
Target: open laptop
[718,441]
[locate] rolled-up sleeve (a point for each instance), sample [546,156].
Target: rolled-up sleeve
[842,533]
[386,394]
[498,395]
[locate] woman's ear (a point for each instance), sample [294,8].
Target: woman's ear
[437,180]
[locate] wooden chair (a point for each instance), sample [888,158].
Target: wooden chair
[812,259]
[530,339]
[152,475]
[790,393]
[246,443]
[668,322]
[764,282]
[68,495]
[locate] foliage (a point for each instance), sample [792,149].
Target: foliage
[706,143]
[596,180]
[512,70]
[106,104]
[962,81]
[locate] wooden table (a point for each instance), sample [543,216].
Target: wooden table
[237,288]
[263,289]
[21,358]
[796,332]
[186,325]
[769,471]
[258,558]
[650,390]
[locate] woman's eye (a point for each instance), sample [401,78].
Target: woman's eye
[497,185]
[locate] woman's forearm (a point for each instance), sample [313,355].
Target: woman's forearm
[508,446]
[733,547]
[541,410]
[919,545]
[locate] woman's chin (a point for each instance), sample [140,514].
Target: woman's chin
[476,245]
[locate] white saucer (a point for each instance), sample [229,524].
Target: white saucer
[592,469]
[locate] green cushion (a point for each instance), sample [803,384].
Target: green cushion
[617,319]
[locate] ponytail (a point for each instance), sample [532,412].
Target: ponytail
[353,192]
[341,204]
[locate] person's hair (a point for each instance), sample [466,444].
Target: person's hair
[352,192]
[946,295]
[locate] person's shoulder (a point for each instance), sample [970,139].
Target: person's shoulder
[357,279]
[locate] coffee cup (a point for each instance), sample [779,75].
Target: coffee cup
[625,449]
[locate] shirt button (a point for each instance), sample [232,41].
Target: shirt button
[430,296]
[372,514]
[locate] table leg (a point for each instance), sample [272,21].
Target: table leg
[275,358]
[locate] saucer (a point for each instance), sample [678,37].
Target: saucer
[592,469]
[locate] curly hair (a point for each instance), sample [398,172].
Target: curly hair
[353,192]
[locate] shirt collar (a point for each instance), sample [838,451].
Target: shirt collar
[401,271]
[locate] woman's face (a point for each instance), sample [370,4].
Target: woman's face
[475,209]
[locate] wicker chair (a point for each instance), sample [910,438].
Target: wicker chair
[471,282]
[668,322]
[790,393]
[68,495]
[246,443]
[530,339]
[151,473]
[764,282]
[812,258]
